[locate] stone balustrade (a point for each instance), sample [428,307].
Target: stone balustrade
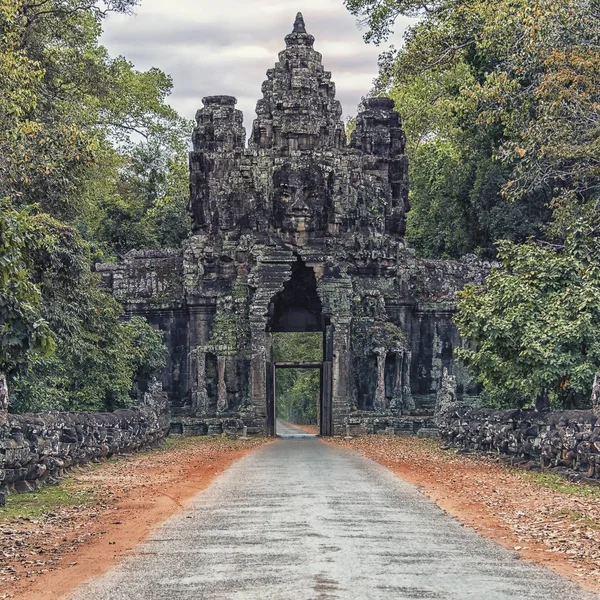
[565,440]
[38,449]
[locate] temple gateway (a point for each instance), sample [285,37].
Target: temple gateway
[298,231]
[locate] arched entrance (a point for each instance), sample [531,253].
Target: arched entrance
[298,309]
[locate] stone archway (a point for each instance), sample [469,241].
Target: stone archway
[298,309]
[298,189]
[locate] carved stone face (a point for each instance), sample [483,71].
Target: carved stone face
[301,198]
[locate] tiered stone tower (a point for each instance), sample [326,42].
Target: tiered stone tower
[298,231]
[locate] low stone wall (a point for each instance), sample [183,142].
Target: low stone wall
[38,449]
[569,439]
[188,426]
[369,423]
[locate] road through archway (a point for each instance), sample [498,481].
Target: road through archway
[302,519]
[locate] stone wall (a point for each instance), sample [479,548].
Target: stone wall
[149,283]
[38,449]
[299,230]
[561,440]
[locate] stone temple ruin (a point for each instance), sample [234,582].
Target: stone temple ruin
[298,231]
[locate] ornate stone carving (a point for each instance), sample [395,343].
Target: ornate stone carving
[296,231]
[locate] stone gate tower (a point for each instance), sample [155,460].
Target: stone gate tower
[297,231]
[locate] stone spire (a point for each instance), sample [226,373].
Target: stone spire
[299,26]
[299,36]
[298,111]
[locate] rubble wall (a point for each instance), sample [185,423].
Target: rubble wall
[566,439]
[38,448]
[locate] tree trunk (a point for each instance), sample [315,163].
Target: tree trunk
[542,403]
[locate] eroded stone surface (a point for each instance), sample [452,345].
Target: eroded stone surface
[560,441]
[298,231]
[39,449]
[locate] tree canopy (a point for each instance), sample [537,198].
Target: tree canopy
[92,165]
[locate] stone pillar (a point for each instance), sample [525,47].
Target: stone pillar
[342,402]
[199,392]
[222,404]
[3,399]
[202,314]
[446,396]
[408,401]
[258,372]
[380,403]
[596,395]
[397,396]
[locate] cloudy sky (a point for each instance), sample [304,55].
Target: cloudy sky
[226,46]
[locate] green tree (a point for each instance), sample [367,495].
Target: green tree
[22,326]
[75,109]
[297,390]
[510,87]
[148,207]
[532,331]
[98,360]
[297,394]
[71,118]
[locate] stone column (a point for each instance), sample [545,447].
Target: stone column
[199,392]
[397,402]
[222,404]
[258,371]
[408,401]
[3,399]
[380,403]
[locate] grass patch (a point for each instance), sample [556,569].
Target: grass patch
[577,518]
[560,484]
[46,500]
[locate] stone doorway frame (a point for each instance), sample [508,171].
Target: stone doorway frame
[325,367]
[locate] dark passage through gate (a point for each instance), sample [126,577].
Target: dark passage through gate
[297,309]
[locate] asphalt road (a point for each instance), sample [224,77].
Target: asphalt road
[290,431]
[299,519]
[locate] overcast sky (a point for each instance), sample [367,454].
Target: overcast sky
[225,46]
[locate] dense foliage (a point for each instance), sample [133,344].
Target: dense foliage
[535,327]
[92,164]
[22,327]
[97,358]
[501,108]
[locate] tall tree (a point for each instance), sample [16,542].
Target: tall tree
[77,111]
[511,87]
[70,120]
[98,359]
[23,330]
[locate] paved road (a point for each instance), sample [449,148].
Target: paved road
[300,520]
[288,431]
